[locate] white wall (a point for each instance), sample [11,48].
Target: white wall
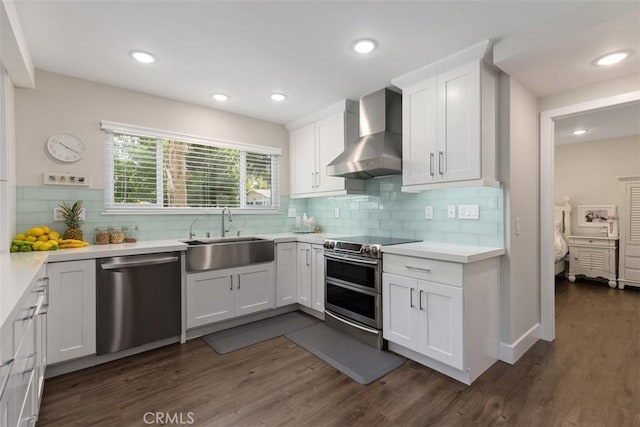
[62,104]
[587,172]
[519,170]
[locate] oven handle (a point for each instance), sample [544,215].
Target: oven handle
[351,260]
[346,285]
[363,328]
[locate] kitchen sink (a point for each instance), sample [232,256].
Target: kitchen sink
[227,252]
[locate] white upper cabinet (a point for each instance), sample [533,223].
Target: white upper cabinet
[314,142]
[449,123]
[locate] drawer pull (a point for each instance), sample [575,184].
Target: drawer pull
[32,312]
[411,267]
[420,299]
[411,298]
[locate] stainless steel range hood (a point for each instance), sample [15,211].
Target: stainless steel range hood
[379,150]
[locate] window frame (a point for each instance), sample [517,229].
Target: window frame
[112,208]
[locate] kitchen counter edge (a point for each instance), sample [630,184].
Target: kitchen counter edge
[444,252]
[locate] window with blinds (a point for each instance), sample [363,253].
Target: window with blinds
[157,170]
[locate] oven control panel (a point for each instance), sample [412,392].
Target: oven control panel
[362,249]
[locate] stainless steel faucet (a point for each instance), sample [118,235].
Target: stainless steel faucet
[223,230]
[191,233]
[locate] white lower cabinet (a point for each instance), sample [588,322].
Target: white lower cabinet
[425,317]
[23,359]
[450,325]
[71,318]
[286,274]
[317,278]
[310,273]
[304,274]
[218,295]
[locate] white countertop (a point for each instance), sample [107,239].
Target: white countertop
[444,251]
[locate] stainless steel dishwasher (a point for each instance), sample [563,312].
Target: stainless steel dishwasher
[137,299]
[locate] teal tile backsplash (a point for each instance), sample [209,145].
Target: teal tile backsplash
[383,210]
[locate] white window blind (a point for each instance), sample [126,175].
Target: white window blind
[148,169]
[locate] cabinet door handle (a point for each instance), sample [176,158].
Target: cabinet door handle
[317,179]
[411,267]
[431,162]
[411,298]
[313,180]
[231,282]
[307,256]
[420,299]
[238,281]
[440,162]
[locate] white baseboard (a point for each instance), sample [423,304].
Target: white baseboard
[510,353]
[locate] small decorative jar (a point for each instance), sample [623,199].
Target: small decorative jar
[116,235]
[131,234]
[102,235]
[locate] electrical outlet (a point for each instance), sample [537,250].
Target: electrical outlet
[291,213]
[57,214]
[468,212]
[451,211]
[428,212]
[336,212]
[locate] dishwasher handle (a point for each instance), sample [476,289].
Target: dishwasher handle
[146,262]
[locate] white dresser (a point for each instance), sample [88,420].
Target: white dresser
[593,257]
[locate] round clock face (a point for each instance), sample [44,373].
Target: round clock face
[65,147]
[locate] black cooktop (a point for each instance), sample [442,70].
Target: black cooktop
[374,240]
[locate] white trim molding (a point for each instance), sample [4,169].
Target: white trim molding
[510,353]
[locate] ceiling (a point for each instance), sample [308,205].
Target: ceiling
[250,49]
[602,124]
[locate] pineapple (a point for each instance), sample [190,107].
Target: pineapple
[71,214]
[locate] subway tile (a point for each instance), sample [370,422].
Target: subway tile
[46,193]
[23,205]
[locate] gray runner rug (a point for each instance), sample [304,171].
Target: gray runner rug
[229,340]
[362,363]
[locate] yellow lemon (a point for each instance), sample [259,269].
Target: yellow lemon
[43,238]
[45,229]
[37,245]
[30,238]
[45,247]
[20,236]
[53,235]
[53,242]
[35,231]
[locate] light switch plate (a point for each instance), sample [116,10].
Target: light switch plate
[336,213]
[428,212]
[291,213]
[468,212]
[451,211]
[57,214]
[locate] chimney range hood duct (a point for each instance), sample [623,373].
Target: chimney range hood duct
[378,152]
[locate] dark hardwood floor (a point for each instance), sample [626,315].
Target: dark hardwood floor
[590,376]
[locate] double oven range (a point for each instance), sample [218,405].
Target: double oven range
[353,286]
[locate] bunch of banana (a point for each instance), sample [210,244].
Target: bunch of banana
[72,243]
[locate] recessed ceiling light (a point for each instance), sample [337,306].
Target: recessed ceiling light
[579,131]
[612,58]
[143,57]
[278,97]
[220,97]
[364,46]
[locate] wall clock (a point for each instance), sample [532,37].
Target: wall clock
[65,147]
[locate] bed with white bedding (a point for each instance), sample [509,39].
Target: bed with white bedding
[562,229]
